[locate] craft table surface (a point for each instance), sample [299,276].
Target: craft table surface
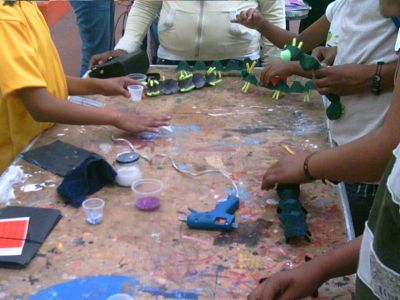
[215,127]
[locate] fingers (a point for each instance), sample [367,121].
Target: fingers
[98,59]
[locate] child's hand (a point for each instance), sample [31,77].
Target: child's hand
[297,283]
[288,170]
[277,68]
[117,86]
[326,55]
[250,18]
[134,121]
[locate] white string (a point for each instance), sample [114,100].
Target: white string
[150,161]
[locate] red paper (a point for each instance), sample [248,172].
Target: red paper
[12,235]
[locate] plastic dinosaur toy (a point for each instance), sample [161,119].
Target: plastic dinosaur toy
[307,62]
[291,213]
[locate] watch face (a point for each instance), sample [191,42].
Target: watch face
[376,78]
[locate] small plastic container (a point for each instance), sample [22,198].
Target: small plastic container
[127,166]
[136,92]
[120,296]
[93,208]
[147,193]
[138,76]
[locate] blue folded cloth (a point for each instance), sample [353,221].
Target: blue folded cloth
[89,177]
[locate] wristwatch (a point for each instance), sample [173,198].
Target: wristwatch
[376,79]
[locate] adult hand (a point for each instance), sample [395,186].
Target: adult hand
[297,283]
[343,80]
[250,18]
[287,170]
[134,121]
[116,86]
[278,68]
[326,55]
[101,58]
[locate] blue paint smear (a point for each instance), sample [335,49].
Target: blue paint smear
[180,130]
[184,167]
[243,193]
[252,141]
[175,294]
[93,288]
[101,287]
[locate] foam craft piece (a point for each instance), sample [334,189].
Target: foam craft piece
[294,52]
[291,213]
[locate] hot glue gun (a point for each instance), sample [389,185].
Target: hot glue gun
[220,218]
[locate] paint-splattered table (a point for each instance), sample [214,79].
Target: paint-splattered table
[154,255]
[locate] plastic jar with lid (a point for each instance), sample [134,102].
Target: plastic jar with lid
[127,168]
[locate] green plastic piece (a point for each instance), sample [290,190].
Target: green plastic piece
[335,110]
[296,87]
[286,55]
[200,66]
[233,65]
[309,62]
[217,65]
[184,66]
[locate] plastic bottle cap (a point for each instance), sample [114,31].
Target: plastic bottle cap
[127,157]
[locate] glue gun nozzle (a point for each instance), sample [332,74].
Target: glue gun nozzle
[182,219]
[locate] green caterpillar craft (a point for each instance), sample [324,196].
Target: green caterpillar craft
[186,82]
[291,213]
[307,62]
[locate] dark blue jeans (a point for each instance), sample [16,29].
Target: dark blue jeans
[361,197]
[95,19]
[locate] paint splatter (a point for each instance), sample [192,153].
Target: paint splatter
[175,294]
[252,141]
[248,233]
[252,130]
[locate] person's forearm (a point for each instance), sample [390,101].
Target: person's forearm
[366,73]
[274,12]
[387,76]
[87,86]
[363,160]
[341,261]
[296,69]
[311,37]
[278,36]
[140,17]
[46,108]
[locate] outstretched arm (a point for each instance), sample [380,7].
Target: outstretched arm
[311,37]
[46,108]
[107,87]
[353,79]
[362,160]
[302,281]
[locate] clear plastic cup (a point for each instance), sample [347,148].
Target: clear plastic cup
[147,193]
[138,76]
[93,209]
[136,92]
[120,297]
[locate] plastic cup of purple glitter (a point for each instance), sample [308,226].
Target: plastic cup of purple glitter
[147,193]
